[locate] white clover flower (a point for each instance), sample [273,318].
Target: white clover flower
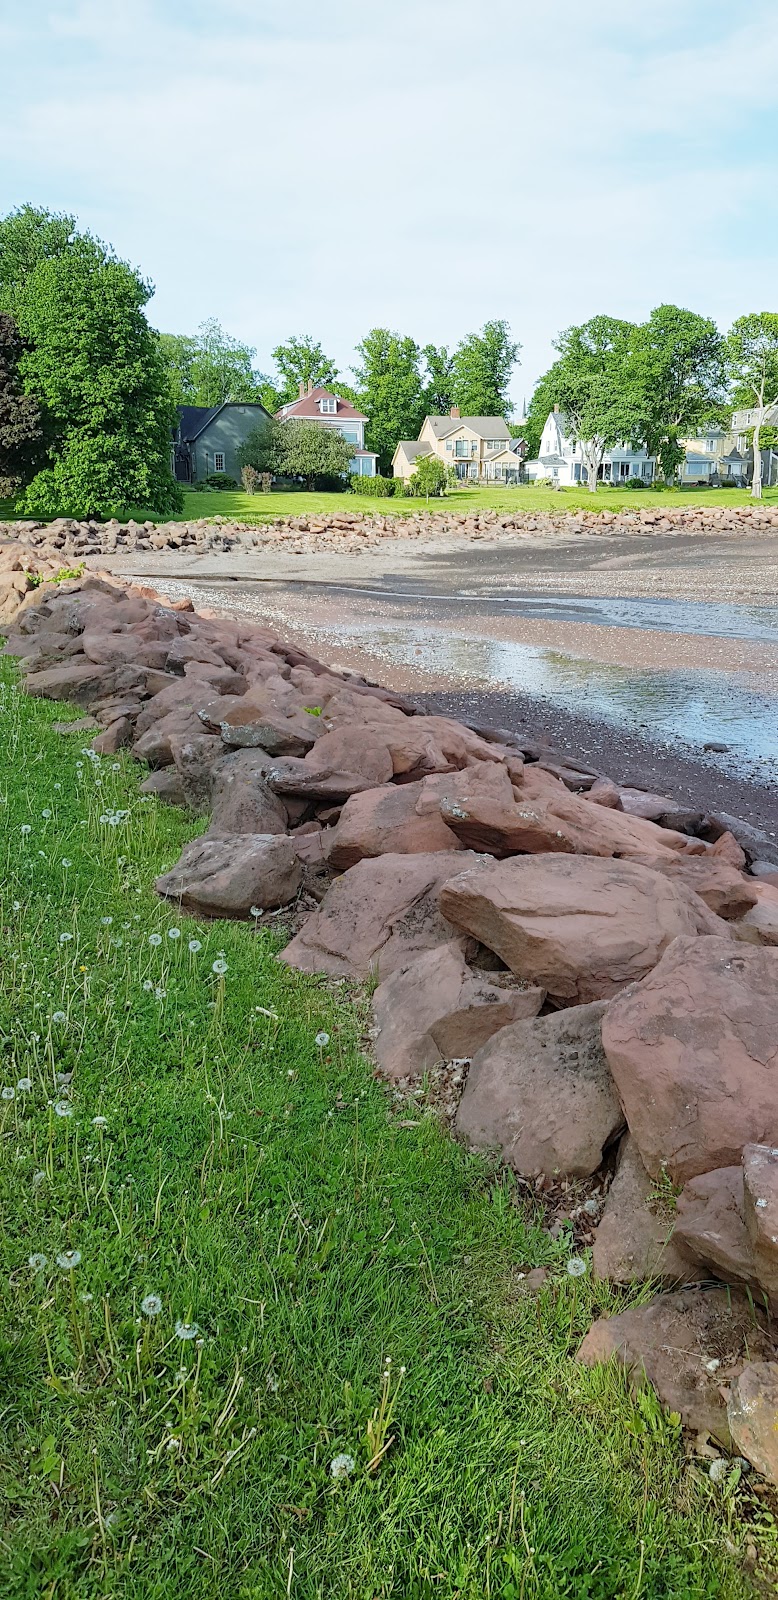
[187,1330]
[151,1305]
[46,814]
[65,938]
[7,1093]
[63,1108]
[38,1261]
[220,967]
[68,1259]
[576,1266]
[321,1040]
[25,828]
[59,1016]
[24,1085]
[174,933]
[194,946]
[155,939]
[342,1466]
[99,1122]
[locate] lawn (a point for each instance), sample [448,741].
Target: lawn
[524,497]
[216,1229]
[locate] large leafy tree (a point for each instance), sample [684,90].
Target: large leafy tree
[439,380]
[752,359]
[22,440]
[482,368]
[94,364]
[302,361]
[679,375]
[592,382]
[264,448]
[210,367]
[390,390]
[311,450]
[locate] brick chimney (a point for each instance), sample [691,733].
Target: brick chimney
[301,389]
[310,385]
[556,407]
[454,411]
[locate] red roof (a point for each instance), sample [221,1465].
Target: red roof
[309,407]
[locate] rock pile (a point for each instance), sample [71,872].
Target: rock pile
[605,961]
[359,529]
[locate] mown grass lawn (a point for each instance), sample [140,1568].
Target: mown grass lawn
[216,1229]
[524,497]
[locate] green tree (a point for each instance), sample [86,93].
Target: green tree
[302,361]
[390,391]
[482,368]
[22,442]
[311,450]
[752,359]
[210,367]
[430,477]
[178,352]
[439,380]
[543,400]
[94,364]
[592,382]
[264,447]
[679,371]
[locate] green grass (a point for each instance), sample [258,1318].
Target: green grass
[265,1187]
[525,497]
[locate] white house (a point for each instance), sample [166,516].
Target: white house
[321,405]
[560,458]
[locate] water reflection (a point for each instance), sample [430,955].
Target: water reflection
[691,706]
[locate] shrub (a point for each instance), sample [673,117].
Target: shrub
[634,483]
[430,477]
[250,478]
[381,488]
[220,480]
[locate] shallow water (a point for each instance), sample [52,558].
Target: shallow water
[669,705]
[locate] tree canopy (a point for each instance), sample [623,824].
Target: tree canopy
[752,360]
[390,389]
[679,369]
[94,365]
[209,367]
[439,380]
[22,440]
[302,360]
[591,383]
[481,371]
[311,450]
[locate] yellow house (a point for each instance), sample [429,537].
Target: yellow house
[476,447]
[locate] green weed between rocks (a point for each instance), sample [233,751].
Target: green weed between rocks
[215,1234]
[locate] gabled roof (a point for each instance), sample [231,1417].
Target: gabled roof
[485,427]
[192,420]
[413,448]
[308,407]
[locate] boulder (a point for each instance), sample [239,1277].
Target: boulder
[752,1414]
[760,1212]
[225,877]
[80,680]
[165,785]
[439,1009]
[116,736]
[248,726]
[694,1052]
[760,924]
[727,848]
[241,798]
[579,927]
[352,750]
[378,916]
[636,1238]
[757,845]
[194,759]
[721,885]
[391,820]
[541,1092]
[710,1225]
[291,775]
[604,792]
[687,1345]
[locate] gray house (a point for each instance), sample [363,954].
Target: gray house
[208,438]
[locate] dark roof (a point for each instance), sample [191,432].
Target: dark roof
[193,419]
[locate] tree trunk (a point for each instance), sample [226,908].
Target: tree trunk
[592,468]
[756,486]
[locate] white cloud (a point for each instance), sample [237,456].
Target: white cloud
[422,163]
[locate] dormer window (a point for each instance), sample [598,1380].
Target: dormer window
[328,406]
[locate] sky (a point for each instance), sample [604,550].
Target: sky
[423,165]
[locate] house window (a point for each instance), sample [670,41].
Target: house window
[461,447]
[218,461]
[448,444]
[494,444]
[352,434]
[328,407]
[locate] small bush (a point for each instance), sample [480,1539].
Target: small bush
[380,488]
[220,480]
[250,478]
[634,483]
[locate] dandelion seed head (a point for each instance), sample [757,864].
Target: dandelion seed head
[106,921]
[7,1093]
[59,1016]
[37,1179]
[86,1298]
[25,828]
[69,1259]
[99,1122]
[148,985]
[65,938]
[174,933]
[38,1261]
[24,1085]
[194,946]
[256,911]
[219,967]
[342,1466]
[46,814]
[576,1266]
[63,1108]
[151,1305]
[155,939]
[187,1330]
[66,862]
[321,1040]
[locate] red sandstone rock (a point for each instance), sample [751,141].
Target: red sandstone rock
[580,927]
[637,1238]
[710,1225]
[439,1009]
[752,1414]
[760,1211]
[723,887]
[389,820]
[694,1052]
[225,877]
[541,1092]
[241,798]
